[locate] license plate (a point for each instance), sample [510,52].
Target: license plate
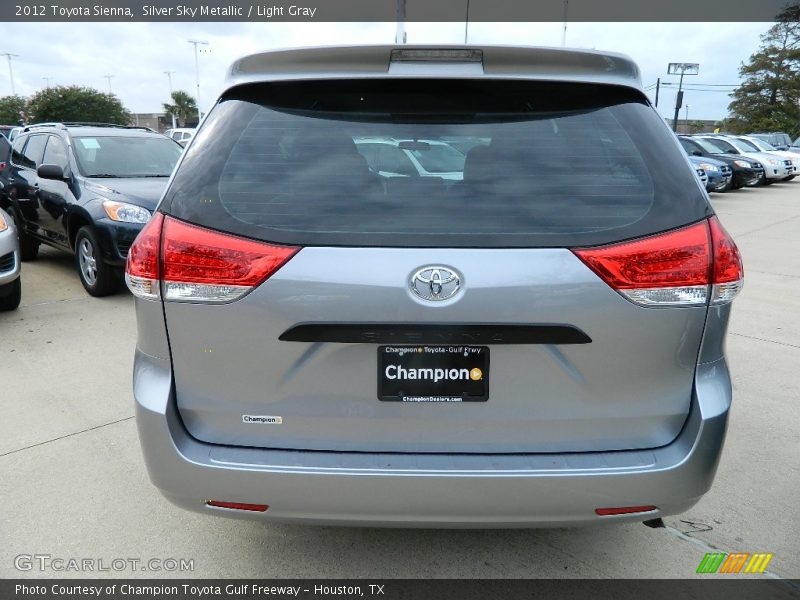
[433,373]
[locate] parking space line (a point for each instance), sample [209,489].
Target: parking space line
[752,337]
[781,222]
[774,274]
[61,437]
[84,298]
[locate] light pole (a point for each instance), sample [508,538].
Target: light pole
[108,78]
[687,115]
[9,55]
[46,82]
[197,74]
[400,33]
[169,78]
[564,32]
[683,69]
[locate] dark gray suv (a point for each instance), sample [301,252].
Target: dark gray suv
[534,340]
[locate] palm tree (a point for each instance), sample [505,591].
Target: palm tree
[183,107]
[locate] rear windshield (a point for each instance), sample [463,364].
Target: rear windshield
[460,163]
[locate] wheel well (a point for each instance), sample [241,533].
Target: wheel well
[76,221]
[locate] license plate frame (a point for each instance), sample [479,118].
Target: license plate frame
[438,373]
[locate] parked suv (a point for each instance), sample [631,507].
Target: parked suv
[522,347]
[745,172]
[763,146]
[182,135]
[780,140]
[87,189]
[776,167]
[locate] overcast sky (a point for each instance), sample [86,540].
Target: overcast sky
[137,54]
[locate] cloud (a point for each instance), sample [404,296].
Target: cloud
[137,54]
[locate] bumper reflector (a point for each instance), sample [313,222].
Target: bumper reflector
[624,510]
[237,505]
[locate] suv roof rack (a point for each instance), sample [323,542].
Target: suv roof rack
[66,124]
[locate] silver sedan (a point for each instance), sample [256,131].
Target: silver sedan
[10,282]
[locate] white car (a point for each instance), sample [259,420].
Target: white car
[10,281]
[390,157]
[776,168]
[765,146]
[182,135]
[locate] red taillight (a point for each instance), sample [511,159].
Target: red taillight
[238,505]
[201,265]
[142,266]
[669,269]
[728,276]
[677,258]
[624,510]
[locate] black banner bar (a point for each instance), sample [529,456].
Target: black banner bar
[690,11]
[712,588]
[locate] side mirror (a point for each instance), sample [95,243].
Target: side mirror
[697,153]
[50,172]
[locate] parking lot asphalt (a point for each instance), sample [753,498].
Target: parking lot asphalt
[73,483]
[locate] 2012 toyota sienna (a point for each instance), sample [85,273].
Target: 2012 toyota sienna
[537,342]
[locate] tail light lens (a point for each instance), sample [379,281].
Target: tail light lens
[199,265]
[685,267]
[142,266]
[728,276]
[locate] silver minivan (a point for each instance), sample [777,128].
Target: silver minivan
[537,342]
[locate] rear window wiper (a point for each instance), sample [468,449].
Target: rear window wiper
[104,175]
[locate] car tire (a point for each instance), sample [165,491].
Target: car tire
[28,246]
[11,295]
[789,178]
[725,188]
[98,278]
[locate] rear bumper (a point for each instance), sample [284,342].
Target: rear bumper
[430,490]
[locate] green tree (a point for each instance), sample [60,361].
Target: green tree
[696,126]
[74,103]
[183,108]
[769,96]
[10,109]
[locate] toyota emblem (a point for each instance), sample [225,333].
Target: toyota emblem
[435,283]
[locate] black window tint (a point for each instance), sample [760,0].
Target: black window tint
[317,163]
[722,145]
[16,150]
[32,154]
[55,153]
[5,148]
